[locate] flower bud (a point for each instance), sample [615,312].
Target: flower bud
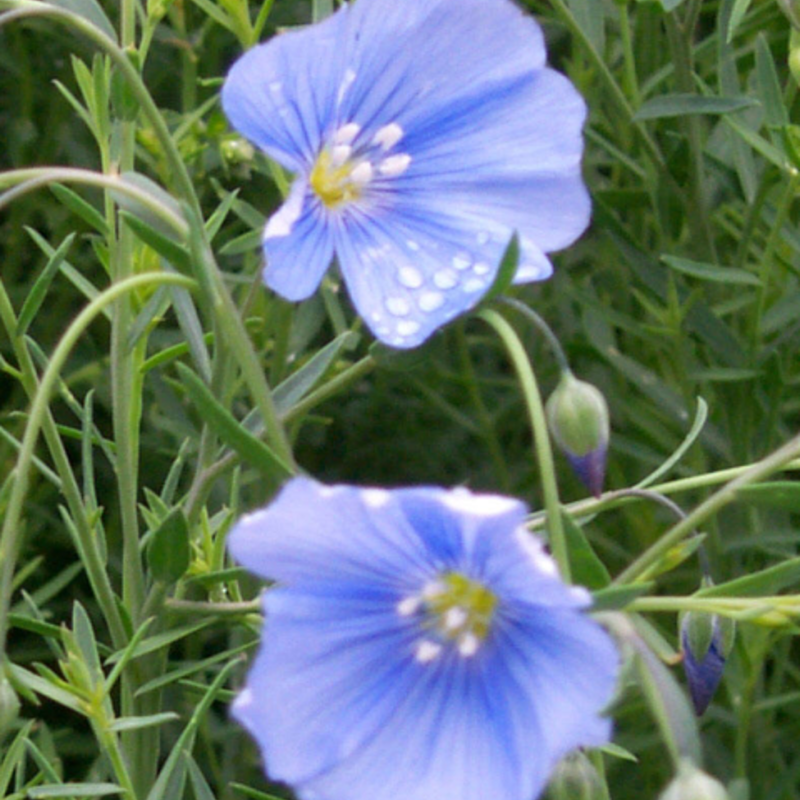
[706,640]
[9,705]
[575,778]
[693,784]
[577,415]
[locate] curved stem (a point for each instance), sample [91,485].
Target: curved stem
[541,437]
[10,534]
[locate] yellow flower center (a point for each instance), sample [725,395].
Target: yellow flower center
[335,184]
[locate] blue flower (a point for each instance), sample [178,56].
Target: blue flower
[420,645]
[422,133]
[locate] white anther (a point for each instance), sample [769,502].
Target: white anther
[433,589]
[388,136]
[362,173]
[468,645]
[409,605]
[427,651]
[347,133]
[454,618]
[393,166]
[340,153]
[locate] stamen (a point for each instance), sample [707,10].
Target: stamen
[409,606]
[427,651]
[347,133]
[468,645]
[395,165]
[388,136]
[362,173]
[340,153]
[454,618]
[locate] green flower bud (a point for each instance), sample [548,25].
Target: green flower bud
[575,778]
[692,784]
[577,416]
[9,705]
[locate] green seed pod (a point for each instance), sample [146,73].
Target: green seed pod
[575,778]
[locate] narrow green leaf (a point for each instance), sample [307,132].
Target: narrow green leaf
[165,246]
[200,787]
[159,201]
[168,551]
[228,428]
[190,325]
[614,597]
[154,308]
[737,15]
[220,214]
[775,494]
[669,706]
[710,272]
[62,790]
[44,687]
[587,569]
[89,10]
[85,638]
[769,88]
[12,757]
[160,640]
[768,581]
[507,270]
[300,382]
[679,105]
[86,211]
[36,294]
[136,723]
[760,145]
[246,243]
[247,791]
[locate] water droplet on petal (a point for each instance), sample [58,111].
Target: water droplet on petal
[462,261]
[445,279]
[410,277]
[473,285]
[481,268]
[483,237]
[430,301]
[398,306]
[407,327]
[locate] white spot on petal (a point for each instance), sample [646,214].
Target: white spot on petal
[427,651]
[445,279]
[398,306]
[483,237]
[388,136]
[483,505]
[347,82]
[410,277]
[581,594]
[375,498]
[393,166]
[407,327]
[474,285]
[430,301]
[433,589]
[283,220]
[481,268]
[346,133]
[412,245]
[276,87]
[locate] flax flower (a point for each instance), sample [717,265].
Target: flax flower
[422,134]
[420,644]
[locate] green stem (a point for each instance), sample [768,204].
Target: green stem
[543,328]
[753,474]
[10,534]
[543,451]
[93,562]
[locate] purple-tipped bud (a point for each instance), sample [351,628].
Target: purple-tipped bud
[692,783]
[706,640]
[577,415]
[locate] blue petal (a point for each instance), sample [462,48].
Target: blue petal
[297,245]
[410,273]
[282,95]
[314,534]
[318,687]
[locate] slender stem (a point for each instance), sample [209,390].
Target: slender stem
[630,79]
[93,562]
[485,420]
[727,494]
[10,534]
[541,437]
[544,329]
